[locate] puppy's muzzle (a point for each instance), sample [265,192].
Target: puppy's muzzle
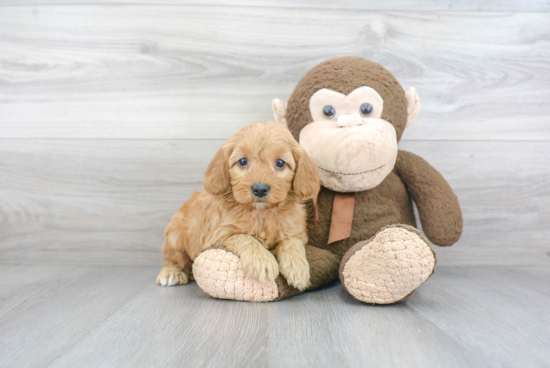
[260,189]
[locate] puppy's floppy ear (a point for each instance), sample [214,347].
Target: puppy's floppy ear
[306,176]
[216,178]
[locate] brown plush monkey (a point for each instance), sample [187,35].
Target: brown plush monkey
[349,114]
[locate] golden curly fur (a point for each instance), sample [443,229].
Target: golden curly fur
[268,232]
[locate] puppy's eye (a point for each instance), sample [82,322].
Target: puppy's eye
[366,109]
[328,111]
[243,162]
[280,164]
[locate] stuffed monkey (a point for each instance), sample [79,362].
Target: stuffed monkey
[349,114]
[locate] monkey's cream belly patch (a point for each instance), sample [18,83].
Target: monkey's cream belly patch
[389,267]
[220,274]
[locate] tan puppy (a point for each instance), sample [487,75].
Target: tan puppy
[252,204]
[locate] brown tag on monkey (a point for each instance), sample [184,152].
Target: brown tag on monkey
[342,217]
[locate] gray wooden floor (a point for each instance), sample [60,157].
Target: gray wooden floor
[63,316]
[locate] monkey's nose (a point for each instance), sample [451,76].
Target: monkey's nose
[349,120]
[260,189]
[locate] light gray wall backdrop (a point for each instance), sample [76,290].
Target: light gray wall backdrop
[111,110]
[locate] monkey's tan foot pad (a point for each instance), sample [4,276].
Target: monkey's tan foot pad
[220,274]
[389,267]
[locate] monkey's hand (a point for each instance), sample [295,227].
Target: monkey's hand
[437,204]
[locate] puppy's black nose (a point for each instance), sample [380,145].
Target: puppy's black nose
[260,189]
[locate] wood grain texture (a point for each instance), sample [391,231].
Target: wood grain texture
[89,201]
[50,318]
[502,190]
[108,201]
[401,5]
[118,317]
[506,306]
[202,72]
[350,336]
[110,112]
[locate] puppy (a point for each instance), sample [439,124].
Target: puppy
[252,205]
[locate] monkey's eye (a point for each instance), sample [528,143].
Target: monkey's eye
[366,109]
[243,162]
[329,111]
[280,164]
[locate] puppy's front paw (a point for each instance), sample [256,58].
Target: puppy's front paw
[260,264]
[170,276]
[296,271]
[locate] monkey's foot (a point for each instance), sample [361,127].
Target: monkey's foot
[220,274]
[389,267]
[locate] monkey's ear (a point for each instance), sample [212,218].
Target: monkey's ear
[279,112]
[413,105]
[306,176]
[216,177]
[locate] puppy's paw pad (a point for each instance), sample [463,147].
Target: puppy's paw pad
[261,266]
[301,284]
[171,277]
[296,272]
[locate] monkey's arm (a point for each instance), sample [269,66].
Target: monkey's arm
[437,204]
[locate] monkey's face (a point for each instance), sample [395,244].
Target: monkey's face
[349,114]
[354,148]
